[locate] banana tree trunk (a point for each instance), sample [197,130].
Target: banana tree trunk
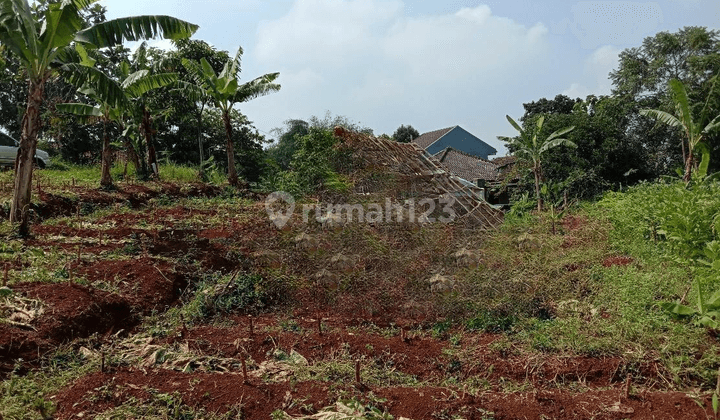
[200,146]
[106,180]
[688,167]
[537,189]
[232,172]
[152,158]
[24,162]
[133,156]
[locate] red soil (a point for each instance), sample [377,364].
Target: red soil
[71,311]
[617,260]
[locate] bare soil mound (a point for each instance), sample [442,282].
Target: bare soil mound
[70,311]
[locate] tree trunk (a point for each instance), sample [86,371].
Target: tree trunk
[20,206]
[106,180]
[133,156]
[537,189]
[152,158]
[199,138]
[232,172]
[688,167]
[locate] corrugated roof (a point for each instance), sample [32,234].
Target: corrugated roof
[431,137]
[467,166]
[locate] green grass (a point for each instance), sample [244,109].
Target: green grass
[27,397]
[63,174]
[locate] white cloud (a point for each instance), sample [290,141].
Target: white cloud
[324,32]
[371,63]
[595,78]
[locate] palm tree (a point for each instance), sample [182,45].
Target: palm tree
[40,43]
[225,91]
[530,146]
[693,131]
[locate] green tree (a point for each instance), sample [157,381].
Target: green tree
[133,87]
[287,142]
[605,157]
[530,145]
[41,43]
[690,55]
[405,134]
[186,104]
[694,131]
[226,91]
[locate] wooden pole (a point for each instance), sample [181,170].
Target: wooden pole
[5,274]
[627,387]
[357,371]
[244,370]
[252,327]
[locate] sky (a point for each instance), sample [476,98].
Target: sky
[426,63]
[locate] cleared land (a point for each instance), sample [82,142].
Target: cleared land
[153,300]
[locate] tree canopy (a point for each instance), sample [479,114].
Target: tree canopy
[405,134]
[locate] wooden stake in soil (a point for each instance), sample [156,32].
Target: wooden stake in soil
[357,371]
[402,334]
[252,327]
[5,274]
[102,363]
[319,326]
[244,368]
[627,387]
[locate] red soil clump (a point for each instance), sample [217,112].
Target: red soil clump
[148,284]
[617,260]
[71,311]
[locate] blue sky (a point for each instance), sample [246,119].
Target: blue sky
[429,64]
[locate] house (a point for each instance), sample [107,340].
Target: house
[471,169]
[467,167]
[414,174]
[495,177]
[457,138]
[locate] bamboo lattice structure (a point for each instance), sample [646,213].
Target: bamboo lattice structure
[423,174]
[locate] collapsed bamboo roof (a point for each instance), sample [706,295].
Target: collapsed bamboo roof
[421,175]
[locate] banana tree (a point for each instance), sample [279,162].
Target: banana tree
[694,131]
[133,86]
[194,91]
[225,91]
[530,146]
[39,42]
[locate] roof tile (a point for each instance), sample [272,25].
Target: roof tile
[467,166]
